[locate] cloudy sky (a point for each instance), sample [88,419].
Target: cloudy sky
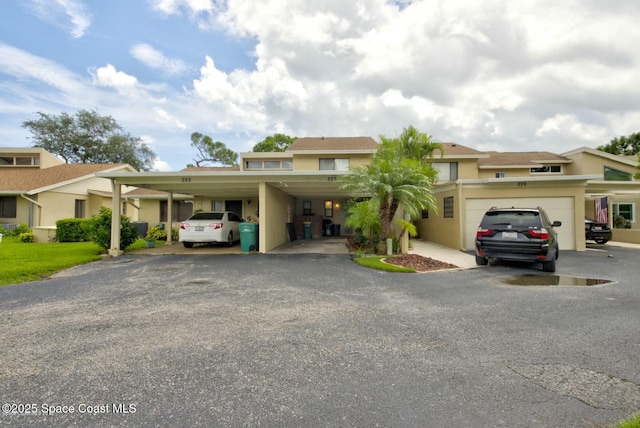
[492,74]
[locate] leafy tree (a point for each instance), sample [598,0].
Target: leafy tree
[274,143]
[210,151]
[88,137]
[98,229]
[391,180]
[624,146]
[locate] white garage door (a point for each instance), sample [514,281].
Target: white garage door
[561,209]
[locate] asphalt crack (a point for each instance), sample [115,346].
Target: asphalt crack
[596,389]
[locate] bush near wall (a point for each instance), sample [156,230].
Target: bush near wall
[71,230]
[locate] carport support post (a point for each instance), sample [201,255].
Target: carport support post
[169,217]
[115,250]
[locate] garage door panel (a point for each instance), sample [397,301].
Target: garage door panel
[561,209]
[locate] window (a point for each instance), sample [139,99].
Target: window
[501,174]
[547,169]
[271,164]
[8,206]
[328,208]
[447,171]
[19,161]
[306,208]
[448,207]
[79,209]
[612,174]
[181,211]
[331,164]
[217,206]
[626,210]
[425,213]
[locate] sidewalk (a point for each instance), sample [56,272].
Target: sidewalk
[442,253]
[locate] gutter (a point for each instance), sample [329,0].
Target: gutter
[22,195]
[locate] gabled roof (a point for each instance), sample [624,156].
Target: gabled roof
[458,150]
[521,159]
[27,180]
[334,144]
[629,160]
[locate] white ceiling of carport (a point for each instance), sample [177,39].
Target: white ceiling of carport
[241,184]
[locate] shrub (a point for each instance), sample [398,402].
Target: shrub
[26,236]
[156,233]
[71,230]
[98,229]
[620,222]
[22,228]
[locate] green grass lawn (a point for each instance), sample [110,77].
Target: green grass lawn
[23,262]
[375,262]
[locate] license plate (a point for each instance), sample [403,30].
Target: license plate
[510,235]
[199,228]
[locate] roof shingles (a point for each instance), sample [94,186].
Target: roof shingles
[28,179]
[334,144]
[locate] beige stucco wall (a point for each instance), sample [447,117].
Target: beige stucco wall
[587,163]
[631,236]
[445,231]
[275,208]
[56,206]
[317,208]
[311,162]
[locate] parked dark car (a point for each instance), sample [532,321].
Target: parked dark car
[518,234]
[597,231]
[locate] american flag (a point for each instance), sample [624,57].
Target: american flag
[602,211]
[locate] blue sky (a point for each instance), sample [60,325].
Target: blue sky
[492,75]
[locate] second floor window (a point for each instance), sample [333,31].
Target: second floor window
[334,164]
[447,171]
[547,169]
[612,174]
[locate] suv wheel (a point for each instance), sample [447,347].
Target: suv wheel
[549,266]
[481,261]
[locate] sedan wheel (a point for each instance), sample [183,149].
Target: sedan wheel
[230,239]
[187,244]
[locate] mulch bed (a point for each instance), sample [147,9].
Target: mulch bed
[419,263]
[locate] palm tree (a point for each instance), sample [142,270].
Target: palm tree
[414,144]
[393,179]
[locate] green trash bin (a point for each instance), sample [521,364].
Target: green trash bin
[307,230]
[248,237]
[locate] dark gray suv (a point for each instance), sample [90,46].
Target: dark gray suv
[517,234]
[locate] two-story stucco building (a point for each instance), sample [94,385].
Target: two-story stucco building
[301,185]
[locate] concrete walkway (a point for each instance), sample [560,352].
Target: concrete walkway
[442,253]
[328,245]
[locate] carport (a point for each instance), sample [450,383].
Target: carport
[275,192]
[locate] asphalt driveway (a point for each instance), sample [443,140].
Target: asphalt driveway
[315,340]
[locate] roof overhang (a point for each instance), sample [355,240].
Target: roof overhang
[234,184]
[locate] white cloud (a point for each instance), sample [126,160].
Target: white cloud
[170,7]
[155,59]
[110,77]
[571,127]
[68,14]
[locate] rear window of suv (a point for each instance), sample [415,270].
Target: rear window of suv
[528,219]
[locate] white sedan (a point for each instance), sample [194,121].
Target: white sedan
[210,227]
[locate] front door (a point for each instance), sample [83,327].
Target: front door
[234,206]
